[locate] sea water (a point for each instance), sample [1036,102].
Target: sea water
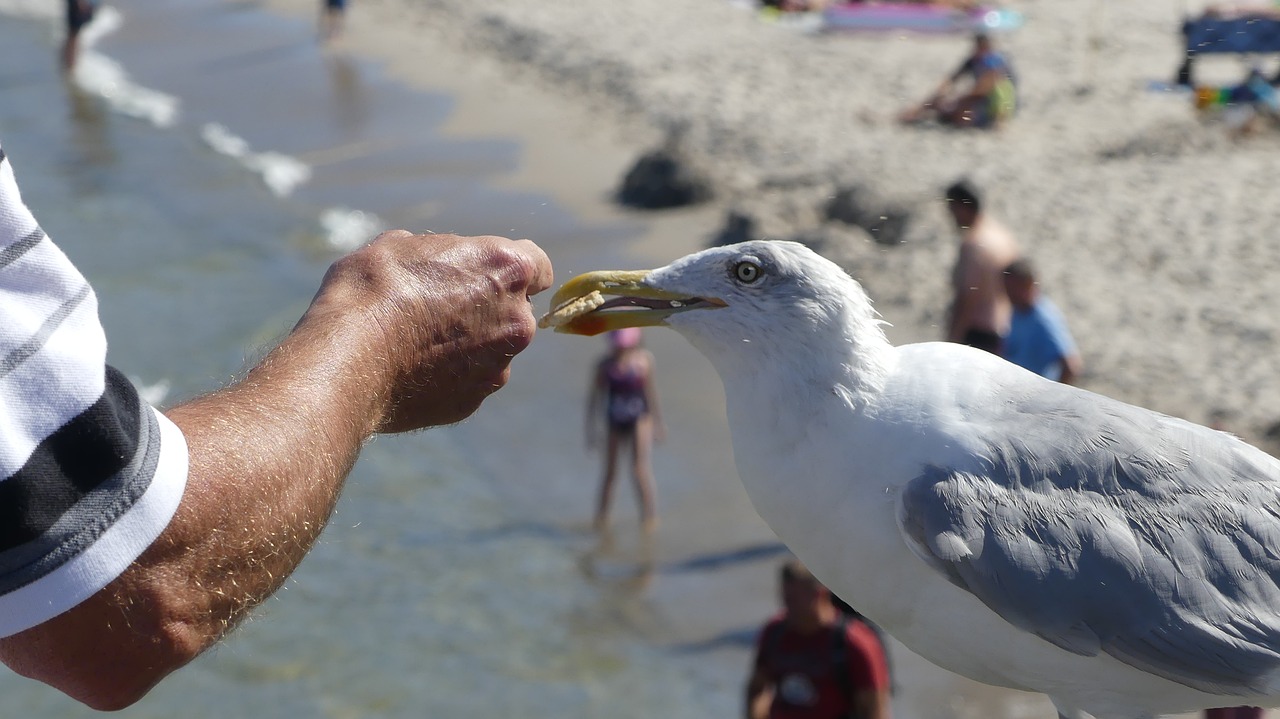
[203,167]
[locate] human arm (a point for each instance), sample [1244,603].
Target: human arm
[651,399]
[984,83]
[1070,364]
[944,88]
[759,695]
[937,100]
[868,673]
[871,704]
[761,684]
[967,285]
[408,332]
[1072,367]
[941,97]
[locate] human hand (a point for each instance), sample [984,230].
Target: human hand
[440,318]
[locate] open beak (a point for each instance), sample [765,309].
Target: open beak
[580,306]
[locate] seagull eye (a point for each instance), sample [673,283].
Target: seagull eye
[747,272]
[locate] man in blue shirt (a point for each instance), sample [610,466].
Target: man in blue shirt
[1038,338]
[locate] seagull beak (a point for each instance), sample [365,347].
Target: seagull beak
[579,307]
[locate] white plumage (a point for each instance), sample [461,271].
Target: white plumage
[1011,529]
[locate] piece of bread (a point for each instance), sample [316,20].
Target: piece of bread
[570,309]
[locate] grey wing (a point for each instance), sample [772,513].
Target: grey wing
[1104,527]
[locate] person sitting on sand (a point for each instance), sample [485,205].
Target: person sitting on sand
[987,100]
[1245,107]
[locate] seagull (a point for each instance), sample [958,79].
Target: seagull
[1011,529]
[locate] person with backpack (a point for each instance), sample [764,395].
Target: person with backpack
[813,662]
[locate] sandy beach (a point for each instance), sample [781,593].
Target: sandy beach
[1151,228]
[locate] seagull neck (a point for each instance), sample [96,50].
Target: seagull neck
[777,379]
[862,377]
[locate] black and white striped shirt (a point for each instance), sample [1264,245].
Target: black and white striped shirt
[89,473]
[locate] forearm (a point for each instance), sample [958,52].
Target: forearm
[1072,366]
[871,704]
[957,320]
[409,331]
[651,402]
[758,700]
[267,457]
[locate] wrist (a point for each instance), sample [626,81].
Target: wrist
[331,359]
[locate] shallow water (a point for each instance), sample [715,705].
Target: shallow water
[454,579]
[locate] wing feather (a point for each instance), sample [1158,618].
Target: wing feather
[1104,527]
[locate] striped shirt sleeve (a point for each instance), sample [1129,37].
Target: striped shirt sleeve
[90,474]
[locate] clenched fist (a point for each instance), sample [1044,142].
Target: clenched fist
[441,315]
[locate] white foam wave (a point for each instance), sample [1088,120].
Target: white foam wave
[346,229]
[32,9]
[280,172]
[99,75]
[152,394]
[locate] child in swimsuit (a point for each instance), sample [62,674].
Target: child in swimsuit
[622,394]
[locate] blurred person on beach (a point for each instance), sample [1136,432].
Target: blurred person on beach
[1038,337]
[812,662]
[981,92]
[980,307]
[78,14]
[1245,107]
[623,398]
[793,5]
[332,14]
[1234,713]
[132,540]
[1264,9]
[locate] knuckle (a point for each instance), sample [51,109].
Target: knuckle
[515,266]
[522,331]
[354,268]
[371,258]
[390,235]
[501,379]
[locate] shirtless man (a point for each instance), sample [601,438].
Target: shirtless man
[980,308]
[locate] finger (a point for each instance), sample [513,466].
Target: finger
[543,276]
[520,330]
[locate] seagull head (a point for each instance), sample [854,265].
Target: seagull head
[748,299]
